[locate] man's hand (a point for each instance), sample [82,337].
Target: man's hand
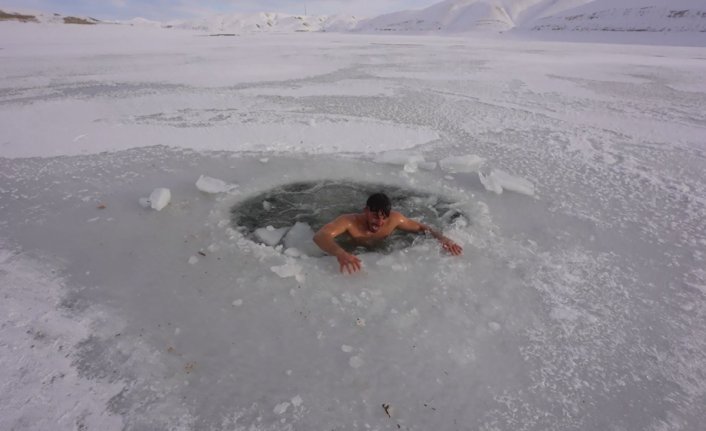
[451,247]
[348,262]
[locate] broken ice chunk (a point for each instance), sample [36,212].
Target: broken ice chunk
[269,235]
[469,163]
[289,269]
[498,180]
[292,252]
[213,185]
[159,198]
[300,236]
[355,362]
[281,408]
[401,158]
[427,166]
[490,183]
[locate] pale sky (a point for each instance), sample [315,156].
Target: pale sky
[163,10]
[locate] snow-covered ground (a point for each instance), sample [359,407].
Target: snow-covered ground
[578,304]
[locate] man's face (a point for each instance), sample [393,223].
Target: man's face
[375,220]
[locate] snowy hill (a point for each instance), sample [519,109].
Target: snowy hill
[223,23]
[269,22]
[454,16]
[142,22]
[630,15]
[449,16]
[38,17]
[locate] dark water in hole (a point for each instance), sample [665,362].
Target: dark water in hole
[317,203]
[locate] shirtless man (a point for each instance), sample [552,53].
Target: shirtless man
[375,223]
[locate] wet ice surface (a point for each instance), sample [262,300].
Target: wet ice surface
[581,307]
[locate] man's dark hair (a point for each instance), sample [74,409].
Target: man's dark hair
[379,203]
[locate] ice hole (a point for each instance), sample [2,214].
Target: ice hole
[270,216]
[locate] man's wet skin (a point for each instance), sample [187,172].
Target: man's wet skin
[370,227]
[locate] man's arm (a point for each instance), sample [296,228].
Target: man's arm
[324,238]
[409,225]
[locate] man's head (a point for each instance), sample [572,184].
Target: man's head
[377,210]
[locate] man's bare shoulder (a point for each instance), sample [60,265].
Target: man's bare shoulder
[397,217]
[338,225]
[344,220]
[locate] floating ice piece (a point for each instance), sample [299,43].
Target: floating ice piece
[355,362]
[469,163]
[427,166]
[281,408]
[213,185]
[410,167]
[409,161]
[498,180]
[490,183]
[193,260]
[300,237]
[346,348]
[159,198]
[297,401]
[269,235]
[289,269]
[292,252]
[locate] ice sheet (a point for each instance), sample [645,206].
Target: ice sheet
[579,309]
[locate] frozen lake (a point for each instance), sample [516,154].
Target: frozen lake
[578,304]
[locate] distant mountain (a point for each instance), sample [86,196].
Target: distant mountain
[269,22]
[142,22]
[33,17]
[629,15]
[456,16]
[448,16]
[453,16]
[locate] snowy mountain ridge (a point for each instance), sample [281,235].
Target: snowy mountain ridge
[452,16]
[49,18]
[456,16]
[627,15]
[449,16]
[269,22]
[459,16]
